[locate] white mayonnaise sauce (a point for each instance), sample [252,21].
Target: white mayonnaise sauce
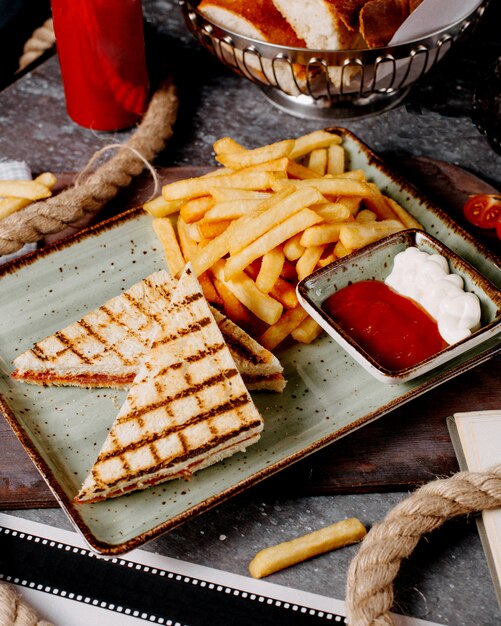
[426,279]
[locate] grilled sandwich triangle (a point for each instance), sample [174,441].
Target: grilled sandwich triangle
[104,348]
[187,408]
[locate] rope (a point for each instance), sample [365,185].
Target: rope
[15,612]
[41,40]
[52,215]
[369,591]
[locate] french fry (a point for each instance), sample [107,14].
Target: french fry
[307,331]
[222,194]
[244,158]
[353,203]
[317,161]
[231,209]
[232,307]
[293,248]
[327,259]
[272,238]
[321,234]
[404,216]
[158,207]
[341,251]
[227,144]
[281,290]
[377,202]
[244,289]
[210,292]
[282,555]
[296,170]
[355,235]
[195,187]
[47,179]
[27,189]
[195,208]
[317,139]
[337,186]
[365,216]
[213,251]
[279,331]
[285,293]
[275,165]
[271,267]
[333,211]
[286,205]
[308,261]
[335,159]
[269,217]
[167,236]
[289,269]
[189,246]
[353,175]
[210,230]
[12,205]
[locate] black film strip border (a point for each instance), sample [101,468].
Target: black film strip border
[156,595]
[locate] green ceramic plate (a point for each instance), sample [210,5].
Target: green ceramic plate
[328,394]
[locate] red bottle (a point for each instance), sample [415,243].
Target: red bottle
[100,44]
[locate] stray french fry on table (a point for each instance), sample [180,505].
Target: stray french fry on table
[27,189]
[289,553]
[11,204]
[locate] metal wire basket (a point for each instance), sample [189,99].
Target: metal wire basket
[325,84]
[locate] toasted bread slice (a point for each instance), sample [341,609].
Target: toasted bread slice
[187,408]
[104,348]
[380,19]
[319,23]
[259,20]
[262,21]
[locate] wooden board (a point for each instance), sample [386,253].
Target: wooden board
[407,447]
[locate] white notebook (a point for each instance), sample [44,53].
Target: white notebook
[476,437]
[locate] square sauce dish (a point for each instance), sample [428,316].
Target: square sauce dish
[402,319]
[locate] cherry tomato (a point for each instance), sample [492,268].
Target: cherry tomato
[483,210]
[498,228]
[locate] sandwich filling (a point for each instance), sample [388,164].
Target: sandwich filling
[187,408]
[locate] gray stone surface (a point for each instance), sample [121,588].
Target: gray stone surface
[446,580]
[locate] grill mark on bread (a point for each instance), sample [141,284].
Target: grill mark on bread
[138,305]
[70,346]
[241,349]
[180,458]
[189,328]
[116,319]
[193,389]
[108,346]
[186,301]
[38,352]
[147,440]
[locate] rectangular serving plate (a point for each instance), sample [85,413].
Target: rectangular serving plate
[328,394]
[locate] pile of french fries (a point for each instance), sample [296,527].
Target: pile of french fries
[17,194]
[267,219]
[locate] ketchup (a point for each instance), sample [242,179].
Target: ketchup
[393,329]
[100,44]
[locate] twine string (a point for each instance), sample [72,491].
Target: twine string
[369,589]
[102,185]
[120,146]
